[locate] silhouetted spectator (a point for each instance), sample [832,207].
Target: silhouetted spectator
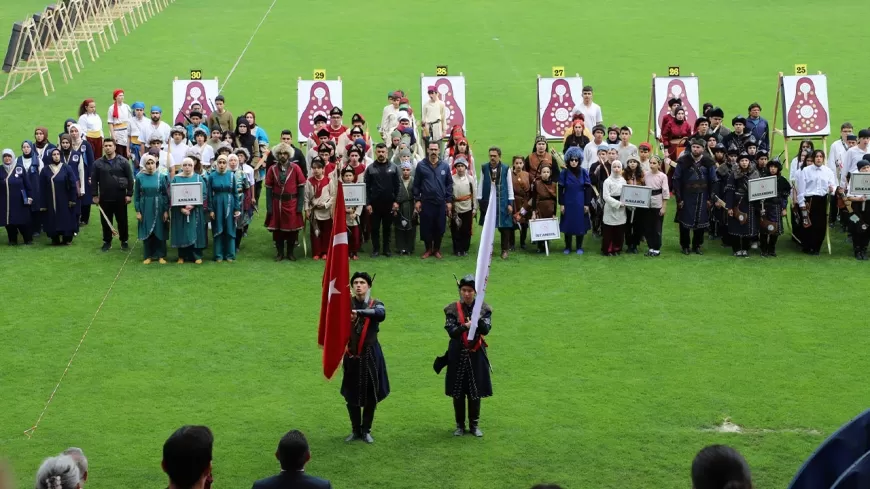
[187,457]
[720,467]
[293,454]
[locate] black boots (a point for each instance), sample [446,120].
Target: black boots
[361,422]
[459,414]
[290,251]
[355,422]
[473,416]
[279,246]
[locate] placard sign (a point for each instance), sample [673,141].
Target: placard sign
[544,229]
[636,196]
[186,193]
[762,188]
[859,184]
[354,194]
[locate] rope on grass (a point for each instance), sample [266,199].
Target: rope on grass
[233,69]
[30,431]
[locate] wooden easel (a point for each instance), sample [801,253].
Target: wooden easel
[29,64]
[65,36]
[52,44]
[83,25]
[650,128]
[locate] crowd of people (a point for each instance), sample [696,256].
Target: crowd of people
[422,180]
[187,462]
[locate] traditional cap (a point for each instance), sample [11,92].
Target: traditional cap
[775,162]
[224,146]
[363,275]
[154,151]
[851,137]
[751,141]
[864,133]
[460,160]
[116,93]
[324,148]
[282,148]
[404,106]
[357,119]
[598,127]
[156,108]
[319,118]
[155,138]
[732,150]
[405,152]
[244,151]
[739,119]
[743,156]
[697,142]
[574,153]
[431,88]
[466,281]
[354,149]
[762,151]
[138,105]
[700,120]
[861,164]
[193,153]
[540,139]
[716,112]
[175,129]
[720,148]
[395,134]
[644,145]
[604,148]
[323,133]
[404,116]
[356,130]
[406,164]
[336,111]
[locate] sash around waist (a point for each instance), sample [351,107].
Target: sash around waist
[657,191]
[617,197]
[286,197]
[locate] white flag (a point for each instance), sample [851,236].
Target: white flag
[484,258]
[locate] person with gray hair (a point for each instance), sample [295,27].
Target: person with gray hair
[60,472]
[81,461]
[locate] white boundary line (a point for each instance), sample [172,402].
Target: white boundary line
[233,69]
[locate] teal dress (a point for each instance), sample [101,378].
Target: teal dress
[151,199]
[189,232]
[224,202]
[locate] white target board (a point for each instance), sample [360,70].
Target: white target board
[186,92]
[684,88]
[805,106]
[557,98]
[451,90]
[315,98]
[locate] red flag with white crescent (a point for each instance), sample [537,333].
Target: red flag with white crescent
[333,331]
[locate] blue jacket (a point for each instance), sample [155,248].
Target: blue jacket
[433,185]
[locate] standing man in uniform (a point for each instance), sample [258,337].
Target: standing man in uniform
[433,196]
[382,193]
[468,370]
[694,181]
[365,382]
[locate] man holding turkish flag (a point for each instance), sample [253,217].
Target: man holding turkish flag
[348,332]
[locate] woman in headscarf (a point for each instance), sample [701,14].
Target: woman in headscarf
[119,123]
[82,160]
[41,143]
[151,201]
[58,186]
[188,222]
[612,229]
[575,198]
[66,157]
[634,226]
[66,124]
[15,199]
[246,139]
[743,215]
[675,135]
[522,194]
[224,208]
[259,133]
[92,125]
[32,167]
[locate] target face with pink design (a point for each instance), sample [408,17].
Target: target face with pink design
[805,105]
[557,98]
[315,98]
[684,88]
[451,89]
[187,92]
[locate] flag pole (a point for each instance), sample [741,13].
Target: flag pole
[484,259]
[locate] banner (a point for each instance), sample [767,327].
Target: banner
[684,88]
[762,188]
[544,229]
[186,92]
[186,193]
[354,194]
[484,259]
[806,98]
[636,196]
[315,98]
[451,89]
[557,98]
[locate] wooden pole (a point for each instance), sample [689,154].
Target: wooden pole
[538,108]
[652,101]
[776,110]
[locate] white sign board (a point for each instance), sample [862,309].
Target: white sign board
[186,92]
[186,193]
[315,98]
[762,188]
[684,88]
[544,229]
[557,98]
[354,194]
[806,99]
[636,196]
[451,90]
[859,184]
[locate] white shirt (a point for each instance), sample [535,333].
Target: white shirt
[614,213]
[177,152]
[590,154]
[249,174]
[591,115]
[478,192]
[850,162]
[162,130]
[137,127]
[387,120]
[206,153]
[814,181]
[121,136]
[793,170]
[836,155]
[91,123]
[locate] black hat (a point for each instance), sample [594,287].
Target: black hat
[739,119]
[762,151]
[322,133]
[599,127]
[357,119]
[324,148]
[706,107]
[363,275]
[712,135]
[700,120]
[732,150]
[720,148]
[355,149]
[336,111]
[751,141]
[864,133]
[319,118]
[356,130]
[466,281]
[775,162]
[697,141]
[716,112]
[863,163]
[851,137]
[744,155]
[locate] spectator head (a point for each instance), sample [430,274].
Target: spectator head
[293,452]
[60,472]
[81,461]
[287,136]
[187,456]
[720,467]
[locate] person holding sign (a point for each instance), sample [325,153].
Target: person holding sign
[224,208]
[285,187]
[743,215]
[633,175]
[497,177]
[542,203]
[468,370]
[575,198]
[318,209]
[658,206]
[151,201]
[860,216]
[694,180]
[773,210]
[815,183]
[188,223]
[613,219]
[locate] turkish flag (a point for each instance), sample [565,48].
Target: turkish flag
[333,332]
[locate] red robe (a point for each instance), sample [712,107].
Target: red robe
[672,130]
[334,134]
[286,212]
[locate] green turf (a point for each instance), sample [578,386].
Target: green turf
[607,372]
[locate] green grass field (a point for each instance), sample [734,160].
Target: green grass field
[607,372]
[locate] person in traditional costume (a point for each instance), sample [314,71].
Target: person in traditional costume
[626,150]
[598,172]
[16,199]
[540,156]
[92,126]
[32,165]
[575,200]
[406,216]
[335,126]
[613,229]
[352,216]
[189,226]
[388,117]
[200,142]
[464,207]
[154,148]
[675,135]
[433,196]
[365,382]
[694,183]
[434,117]
[738,137]
[285,187]
[655,215]
[577,136]
[59,191]
[612,136]
[245,138]
[138,128]
[318,210]
[468,369]
[634,225]
[761,159]
[119,123]
[82,161]
[743,215]
[464,151]
[859,219]
[177,149]
[774,210]
[245,195]
[815,183]
[151,201]
[757,126]
[590,151]
[716,114]
[196,124]
[225,207]
[644,151]
[542,204]
[522,193]
[498,175]
[456,133]
[719,212]
[66,157]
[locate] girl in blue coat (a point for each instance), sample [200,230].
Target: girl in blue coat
[575,197]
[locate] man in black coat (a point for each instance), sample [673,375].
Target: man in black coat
[293,453]
[382,193]
[112,184]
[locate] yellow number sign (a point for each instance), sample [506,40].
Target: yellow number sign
[558,71]
[673,71]
[320,74]
[196,74]
[441,70]
[800,69]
